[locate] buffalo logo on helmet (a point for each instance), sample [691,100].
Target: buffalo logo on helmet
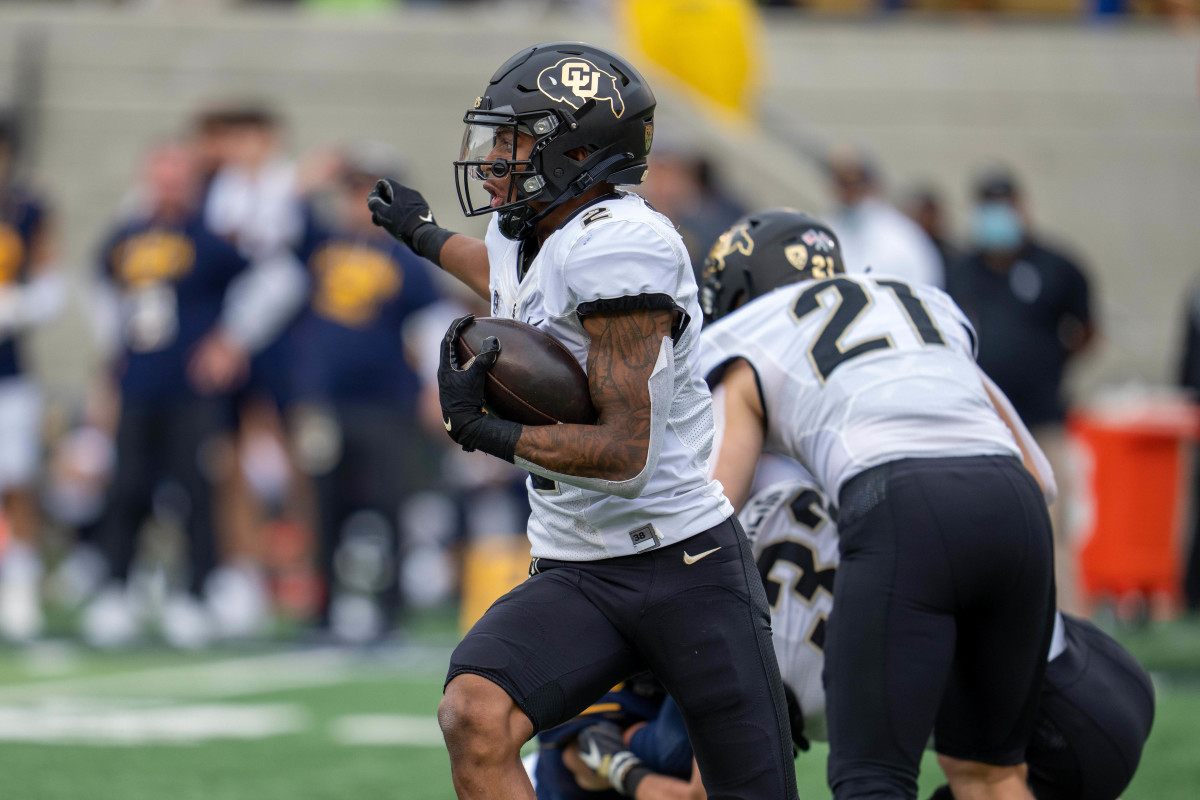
[574,81]
[736,239]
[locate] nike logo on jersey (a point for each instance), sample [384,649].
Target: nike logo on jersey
[446,422]
[426,217]
[689,560]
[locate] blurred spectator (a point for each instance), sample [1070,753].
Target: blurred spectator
[1031,309]
[923,205]
[210,139]
[356,417]
[164,287]
[253,200]
[31,293]
[1189,377]
[874,235]
[683,186]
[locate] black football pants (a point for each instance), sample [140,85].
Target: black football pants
[942,616]
[160,441]
[573,630]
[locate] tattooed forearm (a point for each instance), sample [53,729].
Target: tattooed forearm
[623,352]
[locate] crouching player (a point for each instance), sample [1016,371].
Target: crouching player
[1093,718]
[636,738]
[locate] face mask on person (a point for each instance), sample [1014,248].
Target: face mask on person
[997,227]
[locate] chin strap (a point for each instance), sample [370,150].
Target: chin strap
[519,225]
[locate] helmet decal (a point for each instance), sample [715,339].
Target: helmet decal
[762,252]
[539,93]
[736,239]
[797,255]
[575,80]
[820,240]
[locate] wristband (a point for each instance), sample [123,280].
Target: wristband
[494,436]
[428,240]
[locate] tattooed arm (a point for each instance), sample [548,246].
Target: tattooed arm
[624,348]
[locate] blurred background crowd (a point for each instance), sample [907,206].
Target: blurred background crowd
[218,416]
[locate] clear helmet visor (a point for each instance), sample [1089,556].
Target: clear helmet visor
[486,143]
[489,175]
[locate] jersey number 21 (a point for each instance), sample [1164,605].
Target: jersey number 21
[828,352]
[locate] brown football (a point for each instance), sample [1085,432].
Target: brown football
[535,381]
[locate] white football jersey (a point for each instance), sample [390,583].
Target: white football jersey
[616,253]
[796,548]
[859,370]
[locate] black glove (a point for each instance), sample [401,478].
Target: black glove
[403,213]
[800,742]
[461,393]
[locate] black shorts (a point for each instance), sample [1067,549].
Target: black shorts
[561,639]
[943,610]
[1095,716]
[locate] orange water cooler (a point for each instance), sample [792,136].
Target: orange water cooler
[1130,502]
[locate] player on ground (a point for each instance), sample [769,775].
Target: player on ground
[945,595]
[1096,706]
[638,561]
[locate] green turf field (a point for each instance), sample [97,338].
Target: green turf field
[279,723]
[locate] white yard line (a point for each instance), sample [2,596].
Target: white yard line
[158,706]
[302,669]
[91,724]
[386,730]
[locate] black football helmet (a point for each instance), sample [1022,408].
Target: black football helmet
[567,96]
[762,252]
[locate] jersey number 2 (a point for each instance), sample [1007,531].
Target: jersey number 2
[828,352]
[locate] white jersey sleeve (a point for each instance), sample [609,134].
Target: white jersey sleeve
[617,254]
[856,371]
[796,548]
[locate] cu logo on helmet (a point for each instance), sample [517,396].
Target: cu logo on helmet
[575,81]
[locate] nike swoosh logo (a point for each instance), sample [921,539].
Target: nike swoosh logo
[689,560]
[592,757]
[426,217]
[446,422]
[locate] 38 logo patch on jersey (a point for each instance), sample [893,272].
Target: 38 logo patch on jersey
[574,81]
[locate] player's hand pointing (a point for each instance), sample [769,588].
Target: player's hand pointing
[404,214]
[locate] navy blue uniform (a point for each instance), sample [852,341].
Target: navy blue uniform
[348,342]
[172,280]
[349,361]
[636,700]
[21,219]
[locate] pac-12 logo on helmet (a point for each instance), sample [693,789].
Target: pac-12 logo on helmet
[575,80]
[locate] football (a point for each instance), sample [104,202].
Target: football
[535,381]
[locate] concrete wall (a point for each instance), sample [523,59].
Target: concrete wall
[1103,124]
